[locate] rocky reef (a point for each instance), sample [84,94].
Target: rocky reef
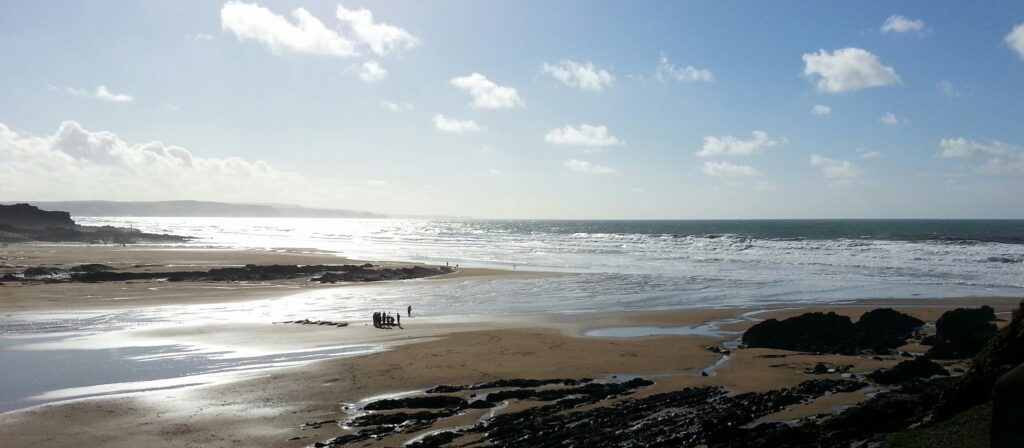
[94,273]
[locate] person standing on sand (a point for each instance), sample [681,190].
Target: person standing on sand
[398,319]
[408,311]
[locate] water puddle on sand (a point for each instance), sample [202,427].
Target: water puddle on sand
[35,377]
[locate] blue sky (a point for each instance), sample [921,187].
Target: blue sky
[578,109]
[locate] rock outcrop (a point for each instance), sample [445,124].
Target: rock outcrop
[881,329]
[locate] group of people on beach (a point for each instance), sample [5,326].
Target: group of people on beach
[383,319]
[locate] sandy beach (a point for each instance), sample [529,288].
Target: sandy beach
[269,407]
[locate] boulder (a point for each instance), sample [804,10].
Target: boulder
[919,367]
[809,332]
[962,332]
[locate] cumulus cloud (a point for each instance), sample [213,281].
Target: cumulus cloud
[900,24]
[1016,39]
[396,107]
[584,76]
[964,148]
[76,163]
[668,72]
[841,171]
[371,71]
[890,119]
[732,146]
[102,94]
[584,135]
[821,109]
[847,70]
[586,167]
[455,126]
[380,37]
[307,35]
[486,94]
[1000,158]
[726,169]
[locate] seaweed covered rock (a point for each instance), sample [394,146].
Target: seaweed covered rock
[961,333]
[919,367]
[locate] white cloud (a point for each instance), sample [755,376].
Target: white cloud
[102,94]
[307,35]
[668,72]
[455,126]
[584,76]
[890,119]
[75,163]
[587,167]
[948,89]
[900,24]
[964,149]
[377,183]
[371,71]
[1016,39]
[726,169]
[202,37]
[380,37]
[396,107]
[869,154]
[486,94]
[1001,158]
[821,109]
[838,170]
[494,171]
[847,70]
[584,135]
[732,146]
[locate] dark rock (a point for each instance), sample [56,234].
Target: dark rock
[809,332]
[93,267]
[425,402]
[436,440]
[885,328]
[41,271]
[400,418]
[480,404]
[962,332]
[1003,352]
[879,330]
[920,367]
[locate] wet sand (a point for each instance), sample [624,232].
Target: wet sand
[268,408]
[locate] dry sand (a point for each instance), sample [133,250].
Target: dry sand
[267,408]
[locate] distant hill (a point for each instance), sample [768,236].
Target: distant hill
[196,209]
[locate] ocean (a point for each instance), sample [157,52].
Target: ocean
[615,265]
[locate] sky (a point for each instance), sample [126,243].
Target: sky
[524,109]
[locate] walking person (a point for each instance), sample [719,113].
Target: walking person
[408,311]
